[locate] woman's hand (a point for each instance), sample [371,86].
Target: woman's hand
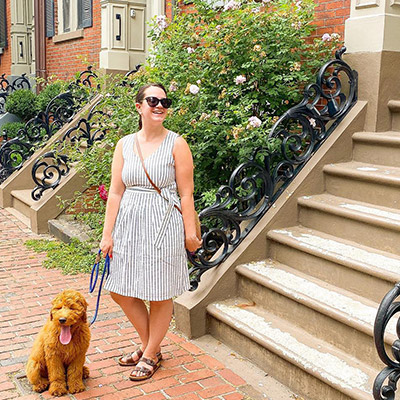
[192,243]
[106,246]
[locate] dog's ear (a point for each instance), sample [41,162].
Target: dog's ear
[84,317]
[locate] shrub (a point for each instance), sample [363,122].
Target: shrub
[48,93]
[22,103]
[230,72]
[11,129]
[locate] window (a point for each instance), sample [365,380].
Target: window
[3,24]
[66,15]
[74,15]
[50,18]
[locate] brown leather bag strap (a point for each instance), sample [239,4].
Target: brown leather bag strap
[145,170]
[147,174]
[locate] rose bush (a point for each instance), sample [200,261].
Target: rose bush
[231,72]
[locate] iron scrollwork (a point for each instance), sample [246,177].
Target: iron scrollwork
[6,88]
[59,111]
[49,169]
[85,132]
[256,184]
[391,373]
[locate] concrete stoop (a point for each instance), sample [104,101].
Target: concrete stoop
[305,312]
[66,228]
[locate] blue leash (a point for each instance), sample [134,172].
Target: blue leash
[92,285]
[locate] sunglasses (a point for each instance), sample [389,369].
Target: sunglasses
[153,101]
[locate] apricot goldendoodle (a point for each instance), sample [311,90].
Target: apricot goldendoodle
[58,353]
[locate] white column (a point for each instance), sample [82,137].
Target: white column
[373,26]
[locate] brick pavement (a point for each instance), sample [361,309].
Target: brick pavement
[26,290]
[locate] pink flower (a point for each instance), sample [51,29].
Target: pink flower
[254,122]
[161,21]
[231,5]
[194,89]
[240,79]
[326,37]
[103,192]
[173,87]
[190,50]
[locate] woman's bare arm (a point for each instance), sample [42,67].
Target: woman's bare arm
[116,191]
[184,180]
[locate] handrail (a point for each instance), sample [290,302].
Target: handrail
[254,186]
[391,373]
[61,109]
[49,169]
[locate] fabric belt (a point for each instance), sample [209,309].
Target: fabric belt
[168,195]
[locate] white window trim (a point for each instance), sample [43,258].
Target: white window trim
[74,17]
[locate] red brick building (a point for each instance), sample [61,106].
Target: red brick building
[60,37]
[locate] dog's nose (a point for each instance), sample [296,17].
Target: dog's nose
[62,320]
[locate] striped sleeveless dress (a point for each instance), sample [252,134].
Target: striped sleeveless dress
[149,257]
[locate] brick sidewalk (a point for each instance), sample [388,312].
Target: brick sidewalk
[187,373]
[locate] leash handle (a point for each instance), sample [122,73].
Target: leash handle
[95,275]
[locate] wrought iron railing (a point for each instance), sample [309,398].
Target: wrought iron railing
[7,88]
[385,384]
[49,169]
[254,186]
[60,110]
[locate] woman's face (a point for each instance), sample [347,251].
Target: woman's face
[152,116]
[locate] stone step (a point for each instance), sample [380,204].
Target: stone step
[368,272]
[338,317]
[394,107]
[66,228]
[364,223]
[359,181]
[377,148]
[22,201]
[307,365]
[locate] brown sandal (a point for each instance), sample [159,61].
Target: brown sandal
[125,361]
[128,361]
[148,372]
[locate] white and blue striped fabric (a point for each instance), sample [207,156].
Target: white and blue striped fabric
[149,257]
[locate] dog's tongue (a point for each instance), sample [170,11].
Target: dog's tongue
[65,335]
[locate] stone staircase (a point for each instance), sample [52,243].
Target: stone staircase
[306,313]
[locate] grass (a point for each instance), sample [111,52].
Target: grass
[73,258]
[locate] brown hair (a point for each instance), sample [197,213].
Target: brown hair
[140,96]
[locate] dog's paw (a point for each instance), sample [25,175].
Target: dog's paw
[56,389]
[76,387]
[41,387]
[86,372]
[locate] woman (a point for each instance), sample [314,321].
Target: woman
[144,233]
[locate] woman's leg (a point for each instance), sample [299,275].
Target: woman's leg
[160,318]
[137,313]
